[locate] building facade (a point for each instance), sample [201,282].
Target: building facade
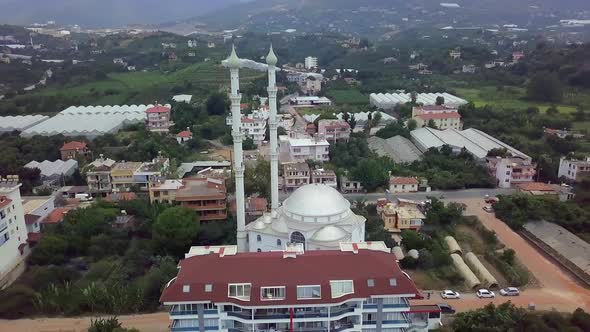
[324,176]
[334,130]
[158,118]
[511,170]
[311,62]
[206,196]
[312,85]
[14,248]
[400,184]
[348,185]
[295,175]
[401,215]
[573,169]
[71,150]
[165,191]
[443,117]
[354,288]
[303,147]
[122,175]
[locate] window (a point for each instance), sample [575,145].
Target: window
[279,243]
[239,291]
[186,288]
[341,287]
[297,237]
[208,288]
[392,282]
[371,282]
[258,238]
[309,292]
[272,293]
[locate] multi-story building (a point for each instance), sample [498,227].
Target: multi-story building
[295,175]
[13,233]
[296,77]
[334,130]
[511,170]
[206,196]
[348,185]
[400,184]
[253,125]
[301,147]
[443,117]
[310,101]
[401,215]
[158,118]
[122,175]
[324,176]
[73,149]
[311,62]
[312,85]
[165,191]
[151,172]
[98,176]
[357,288]
[573,169]
[455,54]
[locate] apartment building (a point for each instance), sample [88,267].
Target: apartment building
[312,85]
[295,175]
[158,118]
[206,196]
[301,147]
[348,185]
[253,125]
[334,130]
[511,170]
[401,215]
[14,247]
[311,62]
[573,169]
[165,191]
[443,117]
[324,176]
[122,175]
[150,172]
[401,184]
[357,288]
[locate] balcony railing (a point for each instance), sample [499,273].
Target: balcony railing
[287,315]
[193,329]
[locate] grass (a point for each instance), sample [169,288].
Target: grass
[146,87]
[509,97]
[347,96]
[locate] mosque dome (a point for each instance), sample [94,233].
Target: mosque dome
[329,233]
[317,203]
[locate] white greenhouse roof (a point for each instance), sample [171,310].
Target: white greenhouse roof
[54,168]
[475,141]
[20,123]
[89,121]
[389,100]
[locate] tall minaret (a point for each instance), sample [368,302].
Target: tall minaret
[234,67]
[271,60]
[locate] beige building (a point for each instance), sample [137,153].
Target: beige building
[295,175]
[324,176]
[206,196]
[165,192]
[443,117]
[122,175]
[400,184]
[401,215]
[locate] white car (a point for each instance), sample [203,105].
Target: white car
[488,209]
[449,294]
[509,291]
[484,293]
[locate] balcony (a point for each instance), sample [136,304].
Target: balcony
[296,314]
[193,329]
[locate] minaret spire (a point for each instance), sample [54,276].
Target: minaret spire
[271,60]
[234,67]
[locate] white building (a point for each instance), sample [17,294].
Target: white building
[253,126]
[311,62]
[13,234]
[511,170]
[357,287]
[315,215]
[310,101]
[571,169]
[400,184]
[304,147]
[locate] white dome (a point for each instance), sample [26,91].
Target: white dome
[280,226]
[259,225]
[329,233]
[316,203]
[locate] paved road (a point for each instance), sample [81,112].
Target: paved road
[420,196]
[557,288]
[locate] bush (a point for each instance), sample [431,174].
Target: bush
[17,301]
[408,263]
[515,274]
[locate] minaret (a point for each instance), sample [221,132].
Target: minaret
[234,67]
[271,60]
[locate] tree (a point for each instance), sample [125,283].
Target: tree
[412,124]
[217,104]
[432,124]
[372,173]
[175,229]
[248,144]
[352,122]
[440,100]
[545,87]
[50,250]
[552,110]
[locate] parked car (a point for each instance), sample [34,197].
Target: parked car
[83,197]
[488,208]
[491,200]
[484,293]
[509,291]
[446,309]
[449,294]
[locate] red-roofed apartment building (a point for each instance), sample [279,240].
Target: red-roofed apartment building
[357,288]
[206,196]
[444,117]
[158,118]
[400,184]
[71,150]
[334,130]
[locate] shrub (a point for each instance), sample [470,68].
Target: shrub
[17,301]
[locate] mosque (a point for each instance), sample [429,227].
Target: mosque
[316,216]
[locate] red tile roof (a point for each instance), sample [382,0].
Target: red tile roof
[434,108]
[73,145]
[535,186]
[158,109]
[403,180]
[31,218]
[34,237]
[4,201]
[184,133]
[262,269]
[56,216]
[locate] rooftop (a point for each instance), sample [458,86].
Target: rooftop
[289,269]
[195,188]
[4,201]
[73,145]
[54,168]
[398,148]
[56,216]
[158,109]
[403,180]
[184,134]
[20,123]
[441,115]
[296,167]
